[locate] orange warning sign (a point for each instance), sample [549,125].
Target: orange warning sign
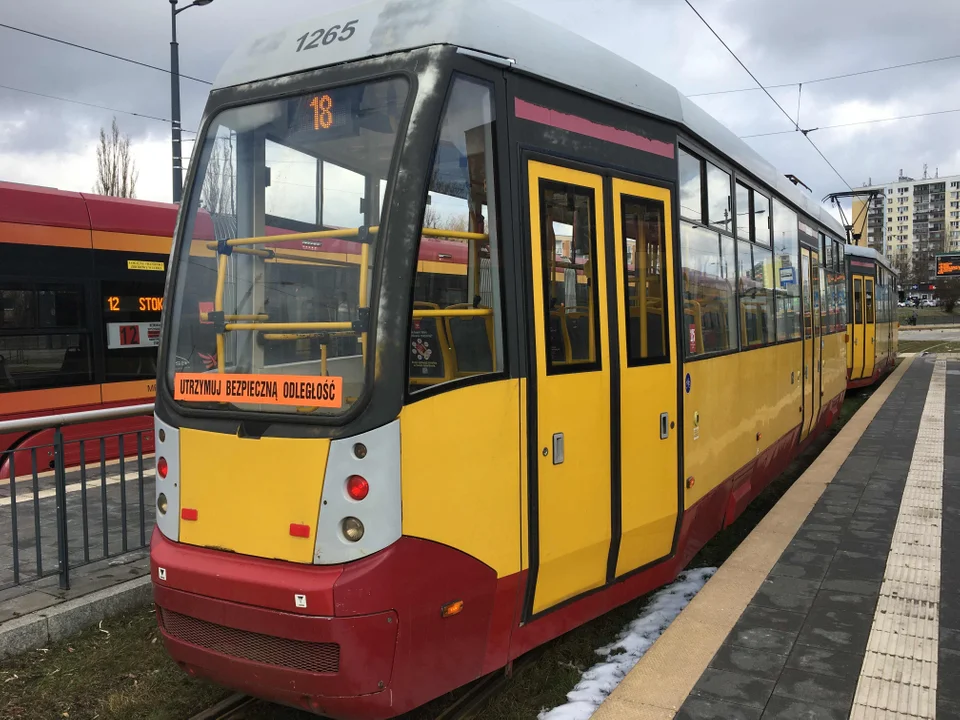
[299,390]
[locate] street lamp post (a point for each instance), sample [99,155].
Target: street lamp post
[175,96]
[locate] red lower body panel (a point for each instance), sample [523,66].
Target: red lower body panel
[371,642]
[394,649]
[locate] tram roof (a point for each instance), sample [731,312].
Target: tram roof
[530,43]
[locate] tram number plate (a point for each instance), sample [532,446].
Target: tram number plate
[326,36]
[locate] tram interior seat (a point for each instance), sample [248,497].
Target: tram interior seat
[471,342]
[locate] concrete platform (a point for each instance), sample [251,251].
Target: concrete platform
[840,604]
[36,613]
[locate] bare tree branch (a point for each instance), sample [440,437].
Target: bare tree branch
[116,170]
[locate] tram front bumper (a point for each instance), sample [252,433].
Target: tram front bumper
[219,619]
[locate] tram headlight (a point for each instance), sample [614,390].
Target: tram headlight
[162,503]
[352,529]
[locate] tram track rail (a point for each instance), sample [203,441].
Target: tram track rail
[467,706]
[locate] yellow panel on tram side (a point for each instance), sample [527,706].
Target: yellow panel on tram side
[834,371]
[460,467]
[248,492]
[731,399]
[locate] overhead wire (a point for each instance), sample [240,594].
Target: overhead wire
[851,124]
[101,52]
[92,105]
[767,92]
[832,77]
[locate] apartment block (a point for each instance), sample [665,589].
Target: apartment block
[910,221]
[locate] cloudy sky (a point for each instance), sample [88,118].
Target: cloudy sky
[50,142]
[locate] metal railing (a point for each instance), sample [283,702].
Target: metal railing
[92,516]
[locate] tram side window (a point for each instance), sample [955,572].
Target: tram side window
[709,293]
[43,341]
[456,328]
[719,203]
[755,290]
[857,301]
[868,301]
[691,188]
[786,251]
[761,219]
[646,275]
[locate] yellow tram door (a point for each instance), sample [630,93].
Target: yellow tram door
[856,370]
[869,327]
[643,248]
[811,341]
[570,510]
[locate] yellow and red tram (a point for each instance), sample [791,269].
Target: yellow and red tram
[871,316]
[377,482]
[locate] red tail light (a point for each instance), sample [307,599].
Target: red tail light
[357,487]
[162,467]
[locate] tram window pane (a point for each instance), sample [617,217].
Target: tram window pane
[719,204]
[18,309]
[691,188]
[35,362]
[709,293]
[786,252]
[868,300]
[807,297]
[841,302]
[755,287]
[857,301]
[341,205]
[569,282]
[455,274]
[646,292]
[761,219]
[743,211]
[823,297]
[292,192]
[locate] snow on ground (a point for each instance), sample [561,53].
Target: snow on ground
[634,640]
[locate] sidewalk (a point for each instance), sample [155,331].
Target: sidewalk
[36,613]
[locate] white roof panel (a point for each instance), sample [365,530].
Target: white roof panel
[497,27]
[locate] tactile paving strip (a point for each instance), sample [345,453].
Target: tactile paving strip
[898,677]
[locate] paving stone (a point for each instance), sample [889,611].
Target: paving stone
[782,708]
[818,547]
[24,604]
[709,709]
[837,629]
[786,593]
[949,638]
[835,600]
[862,587]
[849,565]
[832,692]
[759,616]
[746,661]
[803,565]
[733,687]
[824,661]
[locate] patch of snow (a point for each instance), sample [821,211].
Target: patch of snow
[634,640]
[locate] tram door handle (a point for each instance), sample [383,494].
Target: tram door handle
[557,448]
[664,426]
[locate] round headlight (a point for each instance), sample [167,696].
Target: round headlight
[352,529]
[162,503]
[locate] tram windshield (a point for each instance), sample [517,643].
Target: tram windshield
[271,295]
